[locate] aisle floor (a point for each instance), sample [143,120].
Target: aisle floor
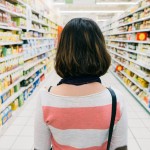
[19,136]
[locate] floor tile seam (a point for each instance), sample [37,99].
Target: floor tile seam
[135,139]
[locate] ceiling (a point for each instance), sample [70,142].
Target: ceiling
[89,8]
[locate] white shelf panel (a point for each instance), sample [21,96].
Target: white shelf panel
[33,72]
[10,57]
[27,66]
[10,43]
[133,51]
[128,41]
[138,63]
[137,98]
[10,28]
[132,70]
[23,28]
[128,32]
[10,72]
[36,55]
[12,85]
[35,38]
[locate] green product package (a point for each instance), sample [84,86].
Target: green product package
[4,49]
[17,87]
[20,100]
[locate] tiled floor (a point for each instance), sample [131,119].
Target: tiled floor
[19,136]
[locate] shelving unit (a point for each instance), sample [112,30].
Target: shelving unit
[128,40]
[34,49]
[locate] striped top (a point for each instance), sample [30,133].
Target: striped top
[78,123]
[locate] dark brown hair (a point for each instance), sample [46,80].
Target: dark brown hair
[82,50]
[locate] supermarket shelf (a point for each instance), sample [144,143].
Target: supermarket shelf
[11,99]
[130,91]
[139,9]
[33,72]
[133,51]
[11,86]
[128,32]
[132,80]
[10,57]
[10,72]
[19,110]
[132,70]
[40,22]
[34,81]
[125,24]
[25,59]
[10,28]
[15,95]
[129,14]
[128,41]
[12,13]
[10,43]
[30,65]
[139,20]
[143,65]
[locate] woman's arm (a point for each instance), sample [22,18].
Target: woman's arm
[120,133]
[42,135]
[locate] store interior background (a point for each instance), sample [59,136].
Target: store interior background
[34,42]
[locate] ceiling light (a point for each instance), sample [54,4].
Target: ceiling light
[88,12]
[116,3]
[59,3]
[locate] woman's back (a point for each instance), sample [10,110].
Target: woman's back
[76,114]
[79,122]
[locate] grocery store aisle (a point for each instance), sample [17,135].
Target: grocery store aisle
[19,135]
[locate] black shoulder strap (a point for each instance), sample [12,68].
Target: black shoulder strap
[49,88]
[113,116]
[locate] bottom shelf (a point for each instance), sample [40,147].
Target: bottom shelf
[133,94]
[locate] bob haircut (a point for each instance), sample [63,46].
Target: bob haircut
[81,50]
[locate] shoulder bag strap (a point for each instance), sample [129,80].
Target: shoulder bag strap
[113,116]
[49,88]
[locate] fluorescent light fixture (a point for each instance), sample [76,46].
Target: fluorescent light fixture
[89,11]
[116,3]
[59,3]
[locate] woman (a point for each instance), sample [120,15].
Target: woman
[76,114]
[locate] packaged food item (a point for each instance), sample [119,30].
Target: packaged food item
[14,105]
[20,100]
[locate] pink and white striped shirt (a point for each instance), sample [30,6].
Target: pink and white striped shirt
[78,123]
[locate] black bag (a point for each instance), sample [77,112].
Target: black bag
[113,115]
